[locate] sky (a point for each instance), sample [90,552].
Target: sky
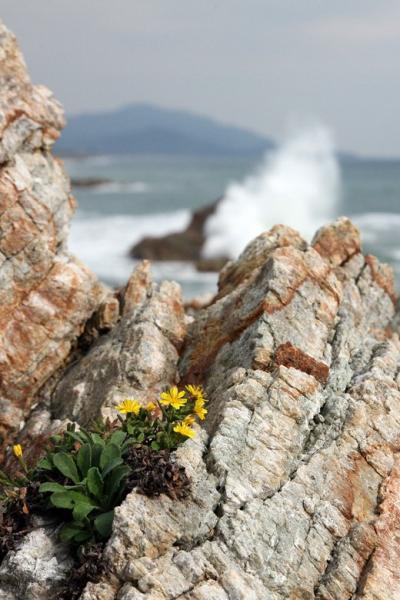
[263,64]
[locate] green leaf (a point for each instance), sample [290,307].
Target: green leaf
[82,536]
[97,449]
[78,436]
[66,465]
[69,531]
[155,446]
[81,511]
[118,438]
[85,434]
[84,459]
[69,498]
[111,465]
[114,481]
[45,464]
[103,524]
[97,439]
[109,453]
[94,482]
[51,486]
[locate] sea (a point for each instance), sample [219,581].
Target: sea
[302,184]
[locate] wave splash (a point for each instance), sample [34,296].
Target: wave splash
[109,258]
[297,185]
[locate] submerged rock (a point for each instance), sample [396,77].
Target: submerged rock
[295,484]
[90,182]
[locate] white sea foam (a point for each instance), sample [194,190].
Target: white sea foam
[120,187]
[298,185]
[374,224]
[103,242]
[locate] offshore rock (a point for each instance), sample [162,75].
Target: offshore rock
[185,245]
[45,294]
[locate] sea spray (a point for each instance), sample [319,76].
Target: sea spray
[298,185]
[103,241]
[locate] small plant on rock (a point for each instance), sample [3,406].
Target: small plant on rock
[86,473]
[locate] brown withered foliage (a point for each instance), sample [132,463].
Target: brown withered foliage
[88,567]
[16,517]
[156,472]
[14,525]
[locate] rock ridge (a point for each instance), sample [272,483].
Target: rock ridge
[46,295]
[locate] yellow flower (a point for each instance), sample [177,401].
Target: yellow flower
[173,397]
[196,391]
[199,408]
[184,429]
[151,406]
[17,450]
[129,406]
[189,420]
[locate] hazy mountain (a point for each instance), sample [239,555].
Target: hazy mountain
[142,128]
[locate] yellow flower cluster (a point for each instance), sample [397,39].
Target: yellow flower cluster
[177,399]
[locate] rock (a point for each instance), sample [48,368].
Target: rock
[337,242]
[36,569]
[89,182]
[299,476]
[183,246]
[46,295]
[137,358]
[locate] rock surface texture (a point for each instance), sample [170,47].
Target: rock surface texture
[296,480]
[295,492]
[45,294]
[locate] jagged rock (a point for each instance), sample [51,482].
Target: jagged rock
[302,374]
[137,358]
[185,245]
[45,294]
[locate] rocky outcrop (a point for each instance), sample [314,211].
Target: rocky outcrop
[294,493]
[137,358]
[186,245]
[45,294]
[295,478]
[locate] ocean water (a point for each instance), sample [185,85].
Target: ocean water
[302,184]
